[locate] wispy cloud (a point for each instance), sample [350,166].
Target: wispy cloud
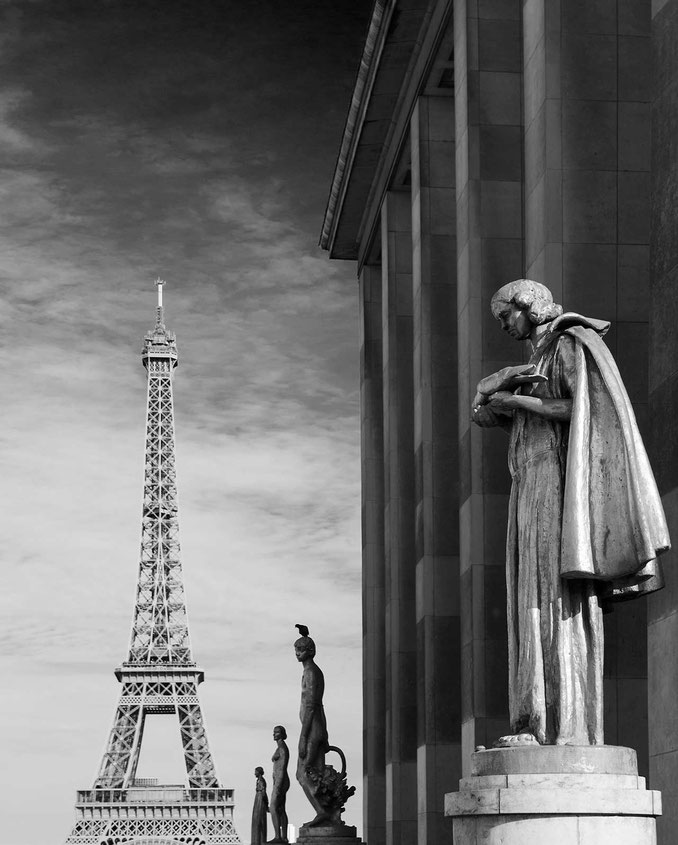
[13,140]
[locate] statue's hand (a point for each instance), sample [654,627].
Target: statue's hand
[501,402]
[480,399]
[508,379]
[484,417]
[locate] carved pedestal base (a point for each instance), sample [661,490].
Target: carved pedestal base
[330,834]
[559,795]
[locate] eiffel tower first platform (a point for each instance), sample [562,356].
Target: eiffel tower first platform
[159,675]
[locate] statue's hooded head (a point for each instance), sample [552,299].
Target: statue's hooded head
[532,297]
[259,772]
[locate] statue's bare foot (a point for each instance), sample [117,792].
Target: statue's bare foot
[517,740]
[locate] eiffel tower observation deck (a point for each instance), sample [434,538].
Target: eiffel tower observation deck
[159,675]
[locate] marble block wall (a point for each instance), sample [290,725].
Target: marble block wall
[587,89]
[663,607]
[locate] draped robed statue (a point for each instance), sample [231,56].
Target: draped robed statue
[586,522]
[259,810]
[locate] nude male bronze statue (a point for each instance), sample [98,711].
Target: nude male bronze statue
[324,787]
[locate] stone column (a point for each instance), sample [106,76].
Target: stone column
[663,606]
[401,634]
[372,469]
[586,72]
[488,135]
[436,461]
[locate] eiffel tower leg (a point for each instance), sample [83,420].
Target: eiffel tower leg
[122,752]
[136,748]
[197,757]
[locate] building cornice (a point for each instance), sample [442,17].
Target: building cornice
[398,55]
[434,23]
[376,35]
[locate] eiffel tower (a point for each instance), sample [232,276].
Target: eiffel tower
[159,675]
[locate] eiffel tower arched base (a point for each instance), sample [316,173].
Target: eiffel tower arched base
[109,817]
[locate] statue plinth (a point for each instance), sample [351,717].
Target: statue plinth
[560,795]
[328,834]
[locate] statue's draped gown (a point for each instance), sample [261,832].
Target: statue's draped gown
[259,811]
[585,521]
[555,626]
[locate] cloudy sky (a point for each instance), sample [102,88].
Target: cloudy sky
[193,141]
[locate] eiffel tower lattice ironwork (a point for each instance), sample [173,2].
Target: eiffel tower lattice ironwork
[159,675]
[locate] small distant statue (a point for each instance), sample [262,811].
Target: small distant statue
[260,809]
[281,783]
[586,523]
[324,787]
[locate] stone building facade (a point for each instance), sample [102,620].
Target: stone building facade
[489,140]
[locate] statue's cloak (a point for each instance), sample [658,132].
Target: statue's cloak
[613,523]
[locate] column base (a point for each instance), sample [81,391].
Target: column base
[558,795]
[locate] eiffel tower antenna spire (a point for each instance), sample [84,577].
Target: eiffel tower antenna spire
[159,675]
[160,318]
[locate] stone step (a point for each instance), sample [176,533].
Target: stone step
[565,780]
[529,800]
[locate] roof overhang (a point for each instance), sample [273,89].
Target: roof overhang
[399,50]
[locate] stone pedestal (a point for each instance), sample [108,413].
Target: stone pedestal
[328,834]
[554,795]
